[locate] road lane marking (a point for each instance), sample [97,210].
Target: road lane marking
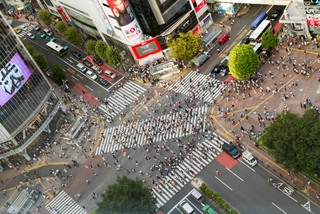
[247,166]
[257,11]
[224,48]
[88,87]
[113,84]
[271,6]
[70,60]
[278,208]
[223,183]
[75,77]
[235,174]
[241,29]
[180,201]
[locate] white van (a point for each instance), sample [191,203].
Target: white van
[48,32]
[186,207]
[248,157]
[197,195]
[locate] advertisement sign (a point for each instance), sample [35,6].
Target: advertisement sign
[313,20]
[146,48]
[198,4]
[63,14]
[12,77]
[125,18]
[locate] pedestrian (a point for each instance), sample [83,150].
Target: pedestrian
[88,182]
[218,172]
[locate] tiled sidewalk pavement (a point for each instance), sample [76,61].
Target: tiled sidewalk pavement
[301,87]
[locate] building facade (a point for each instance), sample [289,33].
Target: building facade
[128,23]
[27,100]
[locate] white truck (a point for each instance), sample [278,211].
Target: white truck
[248,157]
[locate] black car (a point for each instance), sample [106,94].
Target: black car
[98,61]
[103,82]
[231,150]
[245,40]
[275,15]
[87,63]
[76,54]
[218,68]
[224,71]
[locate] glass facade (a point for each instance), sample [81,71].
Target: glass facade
[26,97]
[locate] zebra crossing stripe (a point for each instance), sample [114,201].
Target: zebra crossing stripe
[64,204]
[181,175]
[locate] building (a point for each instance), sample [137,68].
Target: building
[27,100]
[131,23]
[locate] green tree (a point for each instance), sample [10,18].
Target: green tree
[113,55]
[243,61]
[45,17]
[91,46]
[269,40]
[40,59]
[127,196]
[61,27]
[73,36]
[57,74]
[30,49]
[294,140]
[101,49]
[185,47]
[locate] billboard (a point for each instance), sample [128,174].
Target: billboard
[63,14]
[146,48]
[198,4]
[12,77]
[125,18]
[313,20]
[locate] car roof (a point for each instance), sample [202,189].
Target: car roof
[227,146]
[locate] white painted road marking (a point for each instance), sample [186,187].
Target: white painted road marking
[235,174]
[223,183]
[241,30]
[278,208]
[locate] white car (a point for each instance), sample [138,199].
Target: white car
[97,69]
[110,74]
[31,36]
[36,27]
[92,75]
[248,157]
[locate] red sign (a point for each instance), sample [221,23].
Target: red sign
[196,30]
[63,14]
[313,20]
[146,48]
[198,4]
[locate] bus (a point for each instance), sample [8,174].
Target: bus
[262,16]
[57,49]
[257,33]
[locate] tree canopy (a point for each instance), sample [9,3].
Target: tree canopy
[113,55]
[57,74]
[185,47]
[294,141]
[269,40]
[243,62]
[91,46]
[73,36]
[45,17]
[101,49]
[127,196]
[40,59]
[61,27]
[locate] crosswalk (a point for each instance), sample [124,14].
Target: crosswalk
[165,127]
[202,87]
[122,98]
[64,204]
[199,158]
[25,31]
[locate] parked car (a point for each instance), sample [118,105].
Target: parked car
[245,40]
[92,75]
[186,207]
[36,27]
[82,68]
[97,61]
[31,36]
[223,39]
[274,15]
[218,68]
[76,54]
[66,47]
[231,150]
[42,35]
[48,32]
[103,82]
[97,69]
[50,39]
[87,63]
[17,30]
[110,74]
